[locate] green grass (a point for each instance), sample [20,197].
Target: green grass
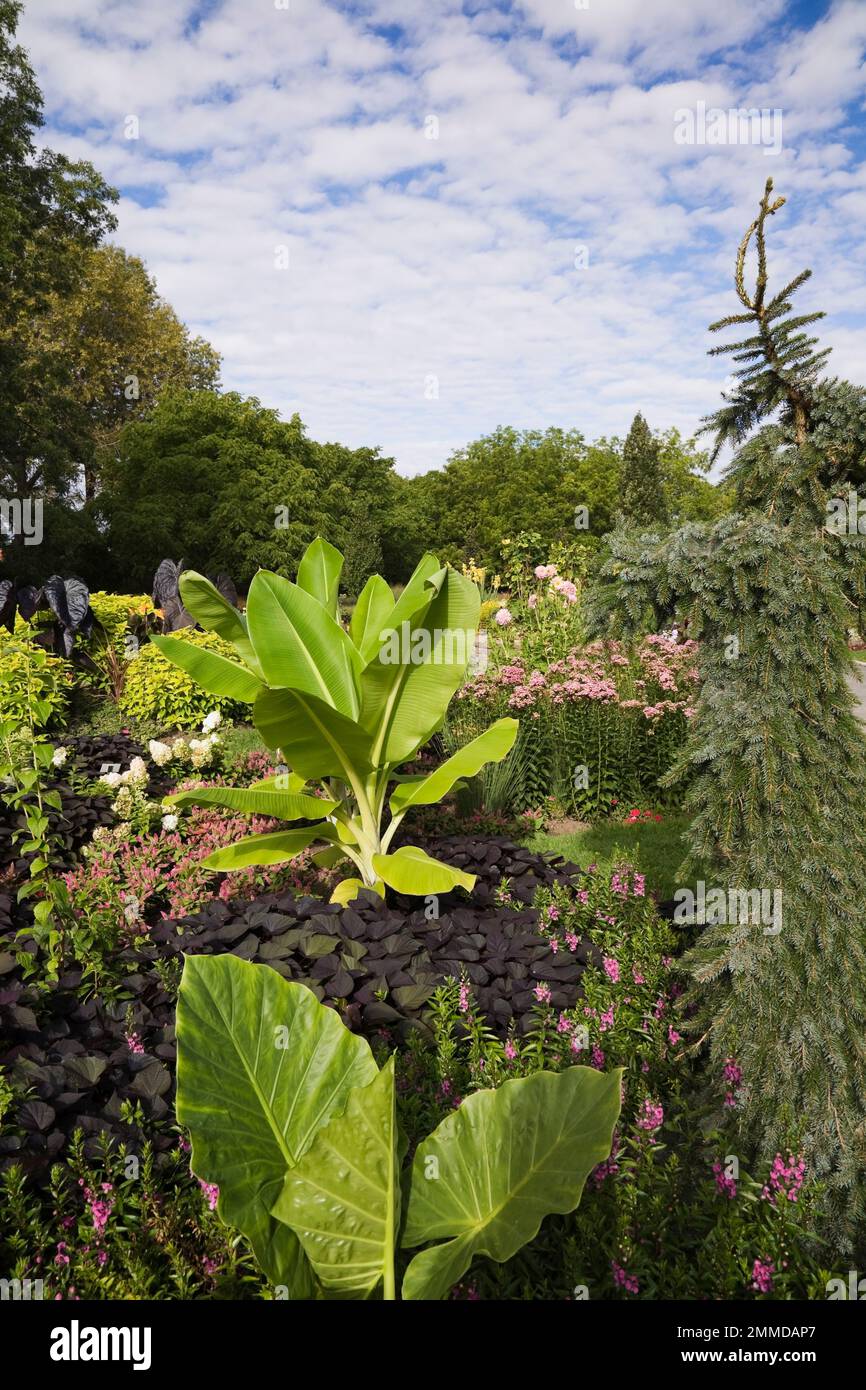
[656,849]
[241,739]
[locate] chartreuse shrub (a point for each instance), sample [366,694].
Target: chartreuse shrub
[344,709]
[160,692]
[295,1123]
[32,682]
[118,614]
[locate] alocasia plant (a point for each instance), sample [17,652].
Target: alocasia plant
[344,709]
[290,1116]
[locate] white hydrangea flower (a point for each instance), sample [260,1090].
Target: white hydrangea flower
[160,752]
[179,748]
[111,779]
[60,756]
[137,771]
[169,822]
[211,721]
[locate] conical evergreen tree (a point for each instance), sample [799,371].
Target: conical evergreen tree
[642,493]
[777,764]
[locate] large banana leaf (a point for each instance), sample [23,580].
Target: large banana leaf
[422,587]
[313,738]
[489,747]
[261,1066]
[300,645]
[491,1171]
[410,870]
[319,573]
[403,702]
[214,673]
[214,613]
[342,1199]
[370,616]
[258,800]
[274,847]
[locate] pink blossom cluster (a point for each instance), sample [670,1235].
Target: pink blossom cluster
[762,1275]
[651,1116]
[623,1280]
[785,1180]
[726,1185]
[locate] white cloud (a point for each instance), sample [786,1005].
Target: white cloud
[454,257]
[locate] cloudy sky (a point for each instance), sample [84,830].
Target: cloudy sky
[413,220]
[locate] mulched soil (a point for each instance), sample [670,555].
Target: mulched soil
[75,1055]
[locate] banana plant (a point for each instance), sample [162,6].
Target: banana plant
[344,710]
[293,1120]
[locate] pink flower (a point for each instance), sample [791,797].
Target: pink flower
[725,1185]
[211,1192]
[503,618]
[532,601]
[673,1036]
[622,1280]
[597,1057]
[542,993]
[651,1116]
[572,941]
[611,968]
[762,1276]
[553,912]
[637,976]
[510,1051]
[463,1002]
[785,1179]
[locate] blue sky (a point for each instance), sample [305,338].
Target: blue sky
[413,222]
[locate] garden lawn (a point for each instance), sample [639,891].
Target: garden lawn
[657,849]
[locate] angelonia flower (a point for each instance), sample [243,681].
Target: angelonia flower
[725,1185]
[503,618]
[463,1003]
[651,1116]
[785,1179]
[622,1280]
[542,993]
[211,721]
[59,757]
[211,1192]
[611,968]
[762,1276]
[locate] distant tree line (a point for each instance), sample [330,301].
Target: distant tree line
[111,414]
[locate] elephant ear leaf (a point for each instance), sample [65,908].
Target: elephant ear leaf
[342,1199]
[319,573]
[261,1066]
[485,1179]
